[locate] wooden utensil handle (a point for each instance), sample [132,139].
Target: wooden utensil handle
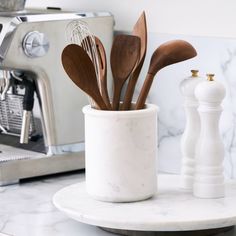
[101,105]
[116,96]
[105,95]
[131,87]
[144,92]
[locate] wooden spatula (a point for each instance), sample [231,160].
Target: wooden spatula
[140,30]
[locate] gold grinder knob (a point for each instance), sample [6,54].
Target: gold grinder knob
[194,73]
[210,77]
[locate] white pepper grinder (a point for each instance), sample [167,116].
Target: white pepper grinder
[209,177]
[192,129]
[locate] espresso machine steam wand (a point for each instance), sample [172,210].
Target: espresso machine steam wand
[28,104]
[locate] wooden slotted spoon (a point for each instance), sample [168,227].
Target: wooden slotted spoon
[124,56]
[103,71]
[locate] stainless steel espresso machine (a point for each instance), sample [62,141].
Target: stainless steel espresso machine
[41,122]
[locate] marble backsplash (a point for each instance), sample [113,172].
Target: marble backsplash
[215,55]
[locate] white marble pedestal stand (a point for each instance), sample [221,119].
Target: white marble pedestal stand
[172,209]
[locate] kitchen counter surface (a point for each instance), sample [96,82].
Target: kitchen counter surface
[27,210]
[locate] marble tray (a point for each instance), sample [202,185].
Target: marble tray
[172,209]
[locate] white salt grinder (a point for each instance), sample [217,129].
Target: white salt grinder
[209,178]
[192,129]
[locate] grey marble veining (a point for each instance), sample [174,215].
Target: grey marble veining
[215,55]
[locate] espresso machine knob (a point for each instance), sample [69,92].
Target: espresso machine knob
[35,44]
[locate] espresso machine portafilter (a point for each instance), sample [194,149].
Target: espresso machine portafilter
[31,43]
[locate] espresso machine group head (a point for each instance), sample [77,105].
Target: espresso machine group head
[39,103]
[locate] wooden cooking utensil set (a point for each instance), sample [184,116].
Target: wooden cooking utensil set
[127,57]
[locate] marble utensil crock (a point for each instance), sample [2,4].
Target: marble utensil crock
[120,153]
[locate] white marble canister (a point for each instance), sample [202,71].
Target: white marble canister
[120,154]
[209,178]
[192,129]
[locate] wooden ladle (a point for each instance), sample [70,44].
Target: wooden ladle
[168,53]
[124,56]
[80,69]
[140,30]
[103,71]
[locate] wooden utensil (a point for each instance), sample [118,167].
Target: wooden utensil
[80,69]
[168,53]
[124,56]
[140,30]
[103,71]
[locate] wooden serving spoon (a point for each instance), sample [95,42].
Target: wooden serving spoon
[140,30]
[168,53]
[103,71]
[80,69]
[124,56]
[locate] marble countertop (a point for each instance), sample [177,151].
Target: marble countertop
[27,210]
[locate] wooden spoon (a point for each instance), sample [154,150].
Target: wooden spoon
[124,56]
[168,53]
[103,71]
[140,30]
[80,69]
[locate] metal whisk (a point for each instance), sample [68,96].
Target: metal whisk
[77,32]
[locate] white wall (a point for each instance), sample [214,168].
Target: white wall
[194,17]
